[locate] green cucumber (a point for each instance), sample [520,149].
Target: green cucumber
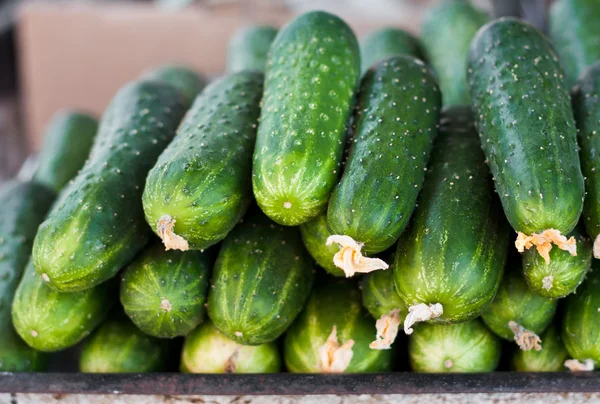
[261,281]
[581,321]
[398,106]
[314,237]
[163,292]
[446,32]
[312,71]
[207,350]
[334,318]
[49,320]
[67,143]
[550,359]
[187,81]
[248,48]
[385,43]
[518,89]
[200,187]
[118,346]
[379,294]
[97,226]
[564,273]
[515,303]
[17,356]
[466,347]
[574,29]
[454,253]
[586,108]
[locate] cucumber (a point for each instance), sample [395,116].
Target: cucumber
[564,273]
[49,320]
[518,313]
[518,89]
[201,187]
[17,356]
[581,321]
[312,71]
[118,346]
[449,264]
[187,81]
[314,236]
[574,30]
[586,109]
[261,281]
[334,326]
[550,359]
[97,225]
[207,350]
[67,143]
[385,43]
[248,47]
[466,347]
[163,292]
[446,32]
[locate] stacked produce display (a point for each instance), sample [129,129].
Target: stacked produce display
[326,206]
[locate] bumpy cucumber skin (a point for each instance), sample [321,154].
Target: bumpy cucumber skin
[67,143]
[551,358]
[184,79]
[49,320]
[118,346]
[334,302]
[248,48]
[163,292]
[379,294]
[567,271]
[466,347]
[575,33]
[314,237]
[17,356]
[97,225]
[202,179]
[455,250]
[385,43]
[581,321]
[523,115]
[446,32]
[515,302]
[586,109]
[207,350]
[399,104]
[261,281]
[312,72]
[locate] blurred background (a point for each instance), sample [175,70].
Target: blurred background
[76,54]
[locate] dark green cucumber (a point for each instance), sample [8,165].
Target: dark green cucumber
[118,346]
[207,350]
[446,32]
[261,281]
[67,143]
[187,81]
[97,225]
[398,106]
[581,321]
[312,71]
[550,359]
[335,305]
[17,356]
[586,109]
[201,184]
[575,32]
[564,273]
[455,250]
[466,347]
[523,115]
[385,43]
[314,236]
[49,320]
[163,292]
[248,48]
[379,294]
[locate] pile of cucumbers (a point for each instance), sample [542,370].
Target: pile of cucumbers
[326,206]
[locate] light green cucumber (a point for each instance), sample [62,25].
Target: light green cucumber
[386,42]
[248,48]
